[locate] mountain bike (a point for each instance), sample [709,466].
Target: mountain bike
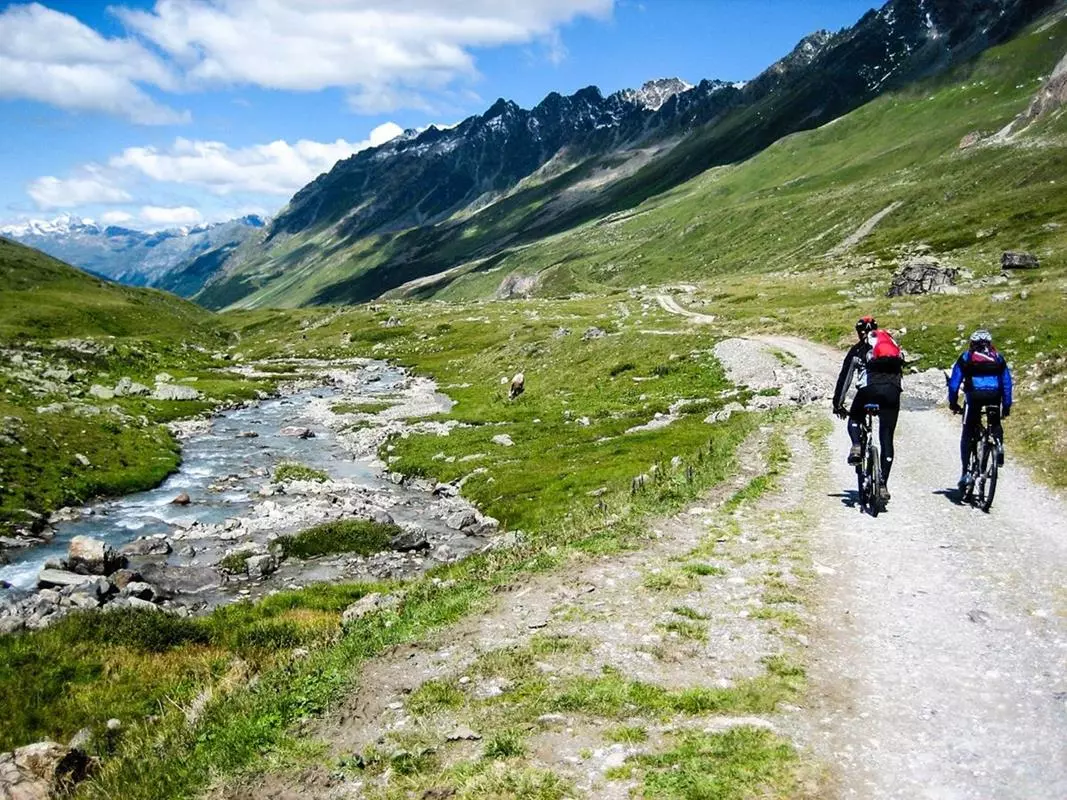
[983,464]
[869,470]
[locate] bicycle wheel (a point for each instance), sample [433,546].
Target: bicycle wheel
[874,480]
[989,476]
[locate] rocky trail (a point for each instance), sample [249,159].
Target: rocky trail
[940,669]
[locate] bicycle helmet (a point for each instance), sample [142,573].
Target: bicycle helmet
[866,325]
[981,339]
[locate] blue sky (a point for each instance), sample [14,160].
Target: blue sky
[151,113]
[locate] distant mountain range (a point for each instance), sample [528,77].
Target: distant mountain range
[166,259]
[433,200]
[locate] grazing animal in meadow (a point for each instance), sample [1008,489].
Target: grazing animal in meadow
[518,386]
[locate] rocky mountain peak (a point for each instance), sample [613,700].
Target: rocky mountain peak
[653,94]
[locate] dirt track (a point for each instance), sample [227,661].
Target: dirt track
[940,663]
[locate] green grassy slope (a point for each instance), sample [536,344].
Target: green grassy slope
[41,297]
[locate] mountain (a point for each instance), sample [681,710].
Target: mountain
[433,200]
[130,256]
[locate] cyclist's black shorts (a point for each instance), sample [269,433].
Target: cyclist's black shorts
[886,396]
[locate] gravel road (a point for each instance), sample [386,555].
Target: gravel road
[939,663]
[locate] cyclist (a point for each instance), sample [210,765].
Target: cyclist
[986,380]
[877,365]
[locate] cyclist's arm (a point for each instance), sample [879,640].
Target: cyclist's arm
[844,378]
[955,382]
[1007,387]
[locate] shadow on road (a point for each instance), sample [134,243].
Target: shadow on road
[850,498]
[952,495]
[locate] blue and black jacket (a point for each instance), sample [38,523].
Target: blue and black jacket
[985,373]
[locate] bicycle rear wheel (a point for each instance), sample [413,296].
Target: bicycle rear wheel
[989,476]
[874,481]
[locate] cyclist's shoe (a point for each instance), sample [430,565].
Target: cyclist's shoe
[1000,454]
[883,494]
[965,481]
[855,455]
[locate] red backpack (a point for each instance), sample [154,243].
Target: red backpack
[883,347]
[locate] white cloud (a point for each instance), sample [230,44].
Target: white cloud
[389,53]
[51,57]
[164,217]
[91,188]
[116,217]
[277,168]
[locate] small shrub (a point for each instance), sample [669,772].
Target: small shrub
[362,536]
[506,744]
[235,563]
[619,369]
[627,734]
[703,569]
[299,472]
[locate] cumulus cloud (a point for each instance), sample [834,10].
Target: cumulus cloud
[116,217]
[51,57]
[277,168]
[166,217]
[389,53]
[50,192]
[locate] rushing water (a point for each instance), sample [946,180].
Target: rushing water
[206,459]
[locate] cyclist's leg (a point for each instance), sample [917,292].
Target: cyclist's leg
[855,423]
[971,416]
[887,426]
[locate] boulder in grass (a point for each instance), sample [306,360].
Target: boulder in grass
[42,771]
[89,556]
[1012,260]
[923,276]
[170,391]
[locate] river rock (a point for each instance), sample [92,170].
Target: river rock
[121,578]
[483,526]
[461,519]
[42,771]
[261,566]
[170,391]
[147,546]
[381,516]
[410,541]
[58,577]
[90,556]
[182,499]
[1011,260]
[139,589]
[298,432]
